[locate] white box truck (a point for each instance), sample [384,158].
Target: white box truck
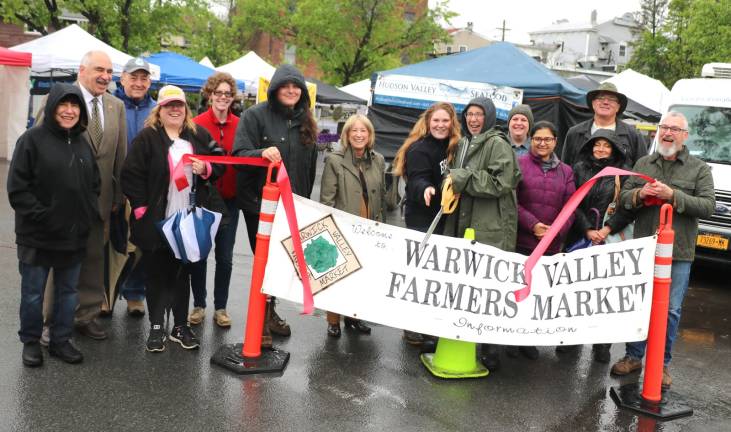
[706,103]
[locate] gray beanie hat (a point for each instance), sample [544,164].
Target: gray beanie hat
[525,110]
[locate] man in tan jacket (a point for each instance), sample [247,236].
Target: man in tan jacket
[107,136]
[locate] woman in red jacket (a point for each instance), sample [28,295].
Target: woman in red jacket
[220,90]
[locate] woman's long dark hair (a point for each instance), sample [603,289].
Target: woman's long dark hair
[308,129]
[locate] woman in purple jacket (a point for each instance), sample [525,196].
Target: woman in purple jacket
[546,186]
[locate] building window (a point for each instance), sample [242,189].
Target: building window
[28,31]
[449,49]
[290,54]
[622,50]
[462,48]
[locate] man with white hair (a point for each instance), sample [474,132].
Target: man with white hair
[686,183]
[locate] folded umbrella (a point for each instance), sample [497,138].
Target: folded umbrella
[195,234]
[168,227]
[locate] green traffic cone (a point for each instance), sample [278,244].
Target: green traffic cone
[455,358]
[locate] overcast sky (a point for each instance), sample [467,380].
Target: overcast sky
[523,16]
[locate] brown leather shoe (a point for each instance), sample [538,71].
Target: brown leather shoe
[626,365]
[667,380]
[92,329]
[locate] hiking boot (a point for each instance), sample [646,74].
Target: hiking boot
[626,365]
[275,323]
[156,339]
[222,318]
[135,308]
[601,353]
[197,315]
[66,352]
[32,355]
[45,336]
[184,335]
[667,380]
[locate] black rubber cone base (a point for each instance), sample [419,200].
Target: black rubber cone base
[671,406]
[271,360]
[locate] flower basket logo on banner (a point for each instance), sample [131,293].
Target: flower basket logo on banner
[328,254]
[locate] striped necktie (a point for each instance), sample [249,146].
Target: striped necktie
[95,129]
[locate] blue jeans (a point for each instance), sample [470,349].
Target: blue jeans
[133,287]
[225,239]
[32,285]
[680,274]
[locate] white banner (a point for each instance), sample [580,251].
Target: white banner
[420,93]
[459,289]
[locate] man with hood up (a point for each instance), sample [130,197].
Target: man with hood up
[485,173]
[53,186]
[281,128]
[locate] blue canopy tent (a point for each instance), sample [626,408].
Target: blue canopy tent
[550,96]
[182,71]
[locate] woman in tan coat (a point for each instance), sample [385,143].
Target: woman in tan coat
[354,181]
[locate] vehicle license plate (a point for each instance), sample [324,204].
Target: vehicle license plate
[712,241]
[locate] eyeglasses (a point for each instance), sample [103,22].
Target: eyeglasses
[543,140]
[474,115]
[606,99]
[219,93]
[673,129]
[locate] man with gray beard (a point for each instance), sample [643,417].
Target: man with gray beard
[685,182]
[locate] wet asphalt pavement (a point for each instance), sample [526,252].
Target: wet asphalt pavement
[355,383]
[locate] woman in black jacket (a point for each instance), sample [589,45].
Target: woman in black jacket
[422,160]
[169,133]
[598,152]
[53,186]
[282,128]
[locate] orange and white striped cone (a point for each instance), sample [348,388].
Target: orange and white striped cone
[249,358]
[649,399]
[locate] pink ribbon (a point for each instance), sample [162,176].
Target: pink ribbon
[560,221]
[285,189]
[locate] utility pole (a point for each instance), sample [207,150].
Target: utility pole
[503,29]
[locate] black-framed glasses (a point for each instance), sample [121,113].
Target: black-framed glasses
[219,93]
[544,140]
[673,129]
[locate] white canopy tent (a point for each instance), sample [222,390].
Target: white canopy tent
[248,69]
[14,88]
[205,61]
[60,52]
[361,89]
[641,88]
